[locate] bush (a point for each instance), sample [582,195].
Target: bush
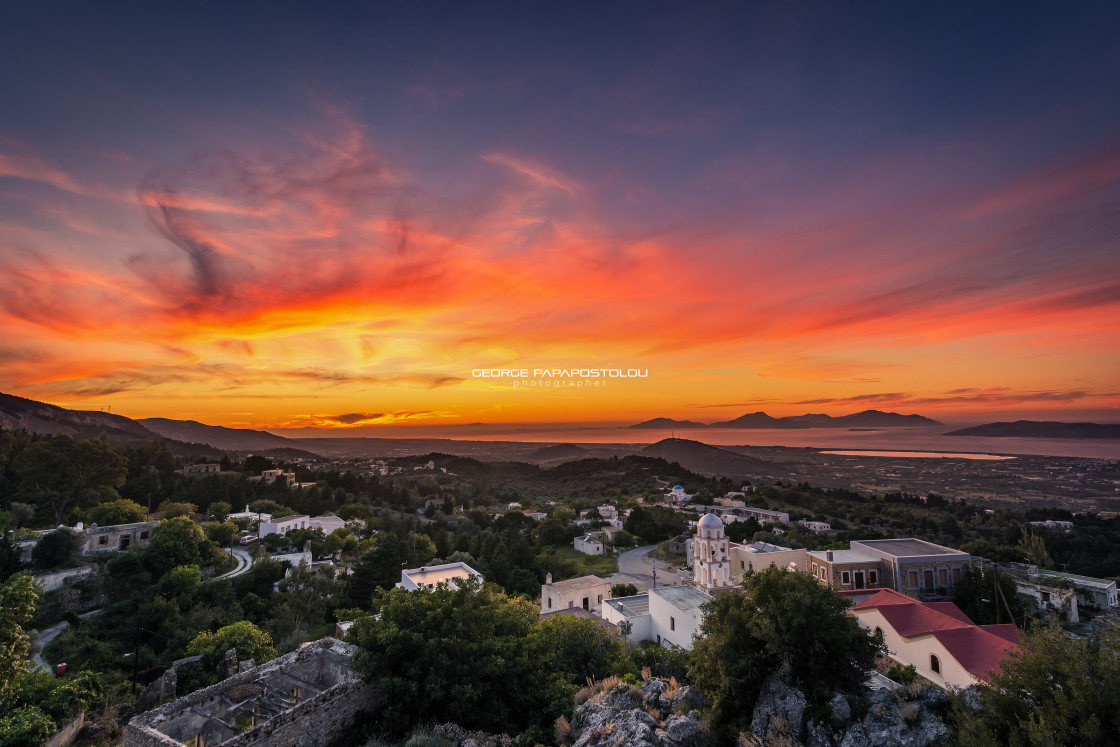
[25,727]
[903,675]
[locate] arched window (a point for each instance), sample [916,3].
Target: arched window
[935,663]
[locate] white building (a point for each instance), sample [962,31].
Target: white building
[327,522]
[763,515]
[1053,524]
[675,614]
[670,615]
[283,526]
[815,526]
[586,592]
[1094,593]
[251,515]
[429,577]
[608,511]
[677,495]
[589,545]
[711,566]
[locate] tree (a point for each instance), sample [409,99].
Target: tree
[181,584]
[582,648]
[1034,547]
[220,533]
[178,541]
[782,622]
[219,510]
[552,531]
[121,511]
[57,548]
[471,653]
[1055,691]
[250,641]
[18,597]
[623,590]
[64,473]
[978,597]
[172,509]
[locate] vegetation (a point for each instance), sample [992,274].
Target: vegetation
[474,655]
[784,623]
[1057,691]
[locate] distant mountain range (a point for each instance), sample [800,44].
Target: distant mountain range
[234,439]
[865,419]
[1041,429]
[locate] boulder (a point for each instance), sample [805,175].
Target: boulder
[686,699]
[818,735]
[779,711]
[841,712]
[682,731]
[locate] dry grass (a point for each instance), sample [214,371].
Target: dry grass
[562,730]
[583,695]
[656,714]
[646,674]
[672,688]
[609,684]
[606,729]
[909,713]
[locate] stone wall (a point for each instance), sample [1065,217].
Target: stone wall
[52,580]
[314,721]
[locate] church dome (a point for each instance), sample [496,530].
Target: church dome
[710,521]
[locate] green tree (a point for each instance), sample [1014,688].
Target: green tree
[172,509]
[221,533]
[1055,691]
[582,648]
[18,597]
[63,473]
[219,510]
[57,548]
[26,727]
[181,584]
[623,590]
[782,622]
[121,511]
[1034,547]
[473,654]
[985,595]
[178,541]
[552,531]
[250,641]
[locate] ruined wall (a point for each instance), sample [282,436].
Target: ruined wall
[315,721]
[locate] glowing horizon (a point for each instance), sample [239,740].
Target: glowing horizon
[309,230]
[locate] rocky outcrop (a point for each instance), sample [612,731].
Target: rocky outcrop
[901,718]
[657,714]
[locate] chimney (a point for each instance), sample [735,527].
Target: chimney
[548,578]
[828,555]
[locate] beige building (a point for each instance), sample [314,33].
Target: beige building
[429,577]
[585,592]
[711,559]
[939,640]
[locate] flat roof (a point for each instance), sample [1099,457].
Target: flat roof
[573,584]
[437,573]
[635,606]
[683,597]
[845,556]
[908,547]
[1099,583]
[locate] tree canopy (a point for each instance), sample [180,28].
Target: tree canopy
[783,622]
[472,654]
[250,641]
[1056,691]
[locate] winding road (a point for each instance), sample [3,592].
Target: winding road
[636,567]
[244,562]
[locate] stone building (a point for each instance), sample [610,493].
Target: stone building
[303,698]
[585,592]
[917,568]
[846,569]
[116,538]
[711,566]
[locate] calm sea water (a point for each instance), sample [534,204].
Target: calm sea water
[930,440]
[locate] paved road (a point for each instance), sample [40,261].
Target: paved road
[46,635]
[244,562]
[636,567]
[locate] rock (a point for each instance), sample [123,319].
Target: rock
[890,723]
[687,699]
[855,737]
[684,731]
[818,735]
[841,711]
[779,711]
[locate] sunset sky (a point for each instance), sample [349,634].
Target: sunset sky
[281,216]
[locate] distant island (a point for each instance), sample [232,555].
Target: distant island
[663,423]
[865,419]
[1041,429]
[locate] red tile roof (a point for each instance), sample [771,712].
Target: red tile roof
[979,649]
